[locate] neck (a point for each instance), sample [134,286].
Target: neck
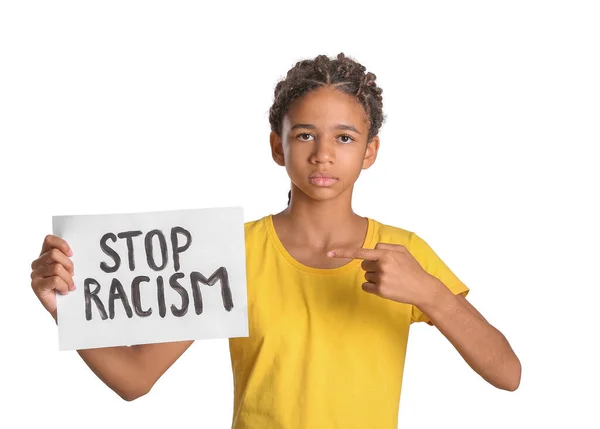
[320,223]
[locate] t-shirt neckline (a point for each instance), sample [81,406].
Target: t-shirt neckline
[367,243]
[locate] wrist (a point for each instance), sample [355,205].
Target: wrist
[436,297]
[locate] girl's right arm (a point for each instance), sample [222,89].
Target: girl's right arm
[130,371]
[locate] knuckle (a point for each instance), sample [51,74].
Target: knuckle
[37,284]
[56,282]
[54,254]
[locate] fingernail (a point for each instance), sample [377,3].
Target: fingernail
[70,252]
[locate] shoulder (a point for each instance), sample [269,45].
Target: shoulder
[255,224]
[398,235]
[385,233]
[256,229]
[415,244]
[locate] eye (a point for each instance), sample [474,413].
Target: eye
[346,136]
[301,135]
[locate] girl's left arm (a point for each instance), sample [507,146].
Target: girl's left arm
[392,272]
[482,346]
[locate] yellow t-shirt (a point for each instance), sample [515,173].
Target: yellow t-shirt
[321,352]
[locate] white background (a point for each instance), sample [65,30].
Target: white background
[489,152]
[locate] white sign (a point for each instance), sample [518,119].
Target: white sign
[153,277]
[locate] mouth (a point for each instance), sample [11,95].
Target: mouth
[324,174]
[323,179]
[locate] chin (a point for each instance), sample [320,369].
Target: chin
[321,194]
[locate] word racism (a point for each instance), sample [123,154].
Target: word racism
[117,292]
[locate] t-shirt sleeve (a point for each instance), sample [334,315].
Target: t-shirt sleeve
[434,265]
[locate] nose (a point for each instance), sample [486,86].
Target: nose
[323,151]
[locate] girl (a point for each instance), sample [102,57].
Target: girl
[331,294]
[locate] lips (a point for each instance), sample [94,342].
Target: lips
[323,178]
[322,174]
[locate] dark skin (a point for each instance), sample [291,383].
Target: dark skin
[326,130]
[320,218]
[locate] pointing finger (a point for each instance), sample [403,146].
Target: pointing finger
[361,253]
[390,246]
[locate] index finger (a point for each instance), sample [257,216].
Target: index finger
[360,253]
[55,242]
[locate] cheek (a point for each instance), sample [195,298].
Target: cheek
[352,158]
[352,154]
[296,161]
[292,152]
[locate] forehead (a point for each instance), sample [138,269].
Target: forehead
[325,107]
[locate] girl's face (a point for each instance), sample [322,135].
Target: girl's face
[324,133]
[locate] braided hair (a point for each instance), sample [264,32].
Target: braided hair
[342,73]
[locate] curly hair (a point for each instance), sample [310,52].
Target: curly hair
[342,73]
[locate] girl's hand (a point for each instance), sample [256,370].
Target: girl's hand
[52,271]
[393,273]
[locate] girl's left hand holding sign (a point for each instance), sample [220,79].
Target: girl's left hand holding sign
[393,273]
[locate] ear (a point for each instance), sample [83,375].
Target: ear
[277,148]
[371,153]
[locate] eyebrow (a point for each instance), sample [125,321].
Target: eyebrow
[337,127]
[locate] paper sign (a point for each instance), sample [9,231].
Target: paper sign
[153,277]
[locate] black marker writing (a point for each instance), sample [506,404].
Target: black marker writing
[128,235]
[110,252]
[89,296]
[181,239]
[160,285]
[175,244]
[136,298]
[150,249]
[117,292]
[185,298]
[155,247]
[220,274]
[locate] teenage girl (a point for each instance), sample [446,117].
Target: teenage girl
[331,294]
